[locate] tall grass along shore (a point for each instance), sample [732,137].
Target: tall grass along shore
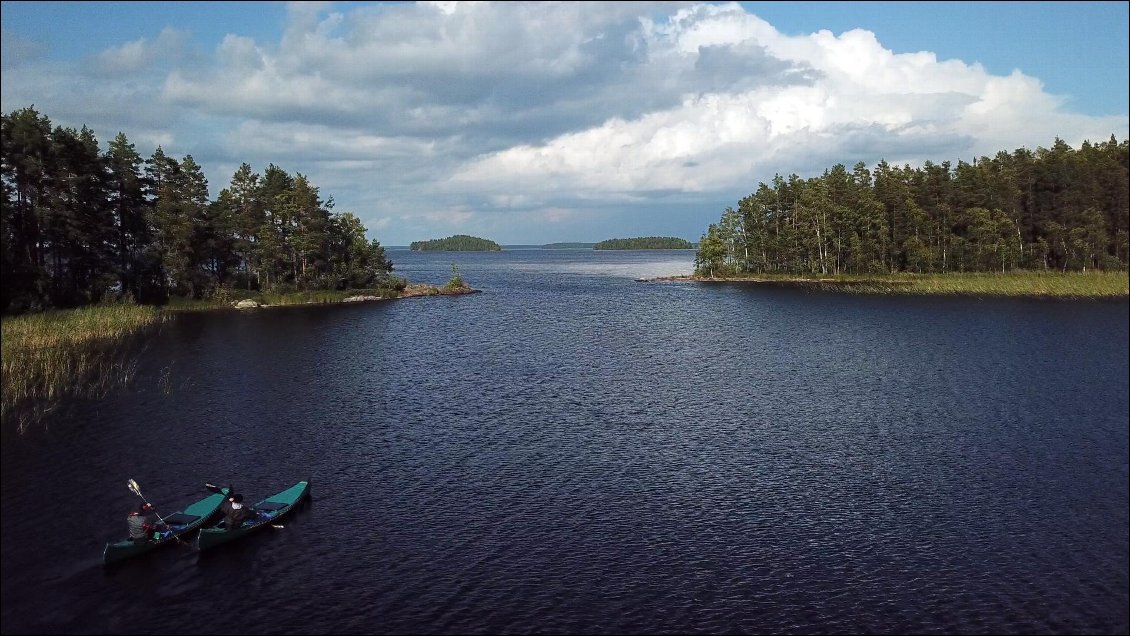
[49,356]
[85,352]
[1066,285]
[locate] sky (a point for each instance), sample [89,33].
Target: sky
[530,123]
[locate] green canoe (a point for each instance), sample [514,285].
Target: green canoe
[266,512]
[179,523]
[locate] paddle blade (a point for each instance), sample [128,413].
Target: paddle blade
[213,487]
[134,488]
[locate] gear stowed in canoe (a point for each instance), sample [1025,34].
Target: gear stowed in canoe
[174,526]
[266,512]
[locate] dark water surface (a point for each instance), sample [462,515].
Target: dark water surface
[571,451]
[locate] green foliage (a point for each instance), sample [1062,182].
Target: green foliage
[78,225]
[457,243]
[392,285]
[456,281]
[711,254]
[1057,209]
[645,243]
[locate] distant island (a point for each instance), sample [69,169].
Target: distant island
[645,243]
[568,246]
[457,243]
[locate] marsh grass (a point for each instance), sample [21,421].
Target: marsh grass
[1033,284]
[54,355]
[1069,285]
[84,353]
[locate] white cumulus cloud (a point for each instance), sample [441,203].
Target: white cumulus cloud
[515,116]
[863,102]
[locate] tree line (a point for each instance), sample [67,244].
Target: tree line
[1053,208]
[644,243]
[79,224]
[457,243]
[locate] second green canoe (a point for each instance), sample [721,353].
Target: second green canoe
[267,512]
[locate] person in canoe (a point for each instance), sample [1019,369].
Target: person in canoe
[225,507]
[143,522]
[237,512]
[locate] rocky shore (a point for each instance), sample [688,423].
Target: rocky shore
[411,291]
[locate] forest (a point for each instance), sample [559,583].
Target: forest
[457,243]
[80,226]
[1056,208]
[645,243]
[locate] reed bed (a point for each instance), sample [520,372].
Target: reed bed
[1068,285]
[53,355]
[1032,284]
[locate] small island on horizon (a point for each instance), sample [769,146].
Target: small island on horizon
[457,243]
[645,243]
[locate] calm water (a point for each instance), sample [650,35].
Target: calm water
[571,451]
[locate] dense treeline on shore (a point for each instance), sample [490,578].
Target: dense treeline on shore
[80,225]
[457,243]
[645,243]
[1059,209]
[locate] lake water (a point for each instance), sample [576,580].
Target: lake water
[572,451]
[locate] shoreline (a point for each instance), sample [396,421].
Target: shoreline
[300,299]
[1044,285]
[418,290]
[87,352]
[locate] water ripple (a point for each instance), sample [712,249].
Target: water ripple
[575,452]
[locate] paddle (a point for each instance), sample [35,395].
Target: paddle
[137,491]
[216,489]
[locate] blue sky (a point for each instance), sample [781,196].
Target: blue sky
[533,123]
